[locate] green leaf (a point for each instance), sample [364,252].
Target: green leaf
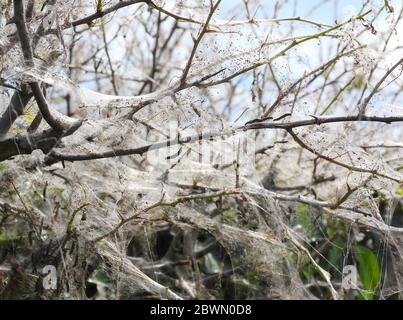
[369,271]
[99,277]
[335,253]
[304,219]
[253,224]
[335,228]
[308,271]
[229,216]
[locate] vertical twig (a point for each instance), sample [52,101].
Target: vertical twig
[197,41]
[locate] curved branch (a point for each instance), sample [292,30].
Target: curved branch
[27,51]
[43,106]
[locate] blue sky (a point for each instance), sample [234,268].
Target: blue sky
[324,12]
